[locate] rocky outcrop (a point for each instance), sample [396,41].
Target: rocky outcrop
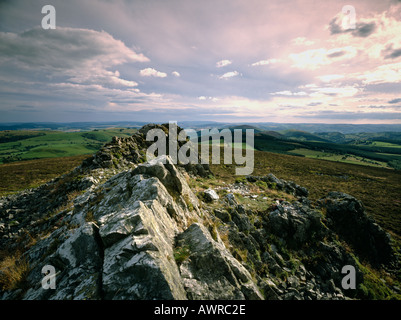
[126,152]
[137,231]
[347,216]
[119,240]
[296,223]
[289,187]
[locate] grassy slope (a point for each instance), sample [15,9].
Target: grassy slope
[27,145]
[21,175]
[374,154]
[378,188]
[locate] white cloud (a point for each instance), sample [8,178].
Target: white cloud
[289,93]
[223,63]
[314,58]
[264,62]
[214,99]
[229,75]
[150,72]
[176,74]
[388,73]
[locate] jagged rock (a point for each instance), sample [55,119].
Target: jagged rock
[241,220]
[78,262]
[210,271]
[231,199]
[295,223]
[223,215]
[347,216]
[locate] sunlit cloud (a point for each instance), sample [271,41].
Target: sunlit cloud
[223,63]
[230,74]
[264,62]
[151,72]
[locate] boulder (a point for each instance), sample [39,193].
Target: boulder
[211,195]
[295,224]
[347,216]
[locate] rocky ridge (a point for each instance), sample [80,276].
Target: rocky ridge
[120,227]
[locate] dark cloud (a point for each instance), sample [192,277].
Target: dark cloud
[336,54]
[313,104]
[364,29]
[361,29]
[393,54]
[335,28]
[398,100]
[381,107]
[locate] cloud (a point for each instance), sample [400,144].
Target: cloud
[361,29]
[229,75]
[150,72]
[289,93]
[364,29]
[214,99]
[387,73]
[65,48]
[347,91]
[176,74]
[223,63]
[314,104]
[314,58]
[264,62]
[390,53]
[335,54]
[79,55]
[397,100]
[381,107]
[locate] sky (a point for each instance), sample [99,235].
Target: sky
[190,60]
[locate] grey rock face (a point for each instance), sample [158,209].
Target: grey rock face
[210,272]
[295,223]
[348,217]
[77,261]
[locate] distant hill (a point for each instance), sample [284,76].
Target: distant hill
[262,126]
[244,127]
[302,136]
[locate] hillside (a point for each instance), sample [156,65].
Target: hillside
[365,149]
[121,227]
[27,144]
